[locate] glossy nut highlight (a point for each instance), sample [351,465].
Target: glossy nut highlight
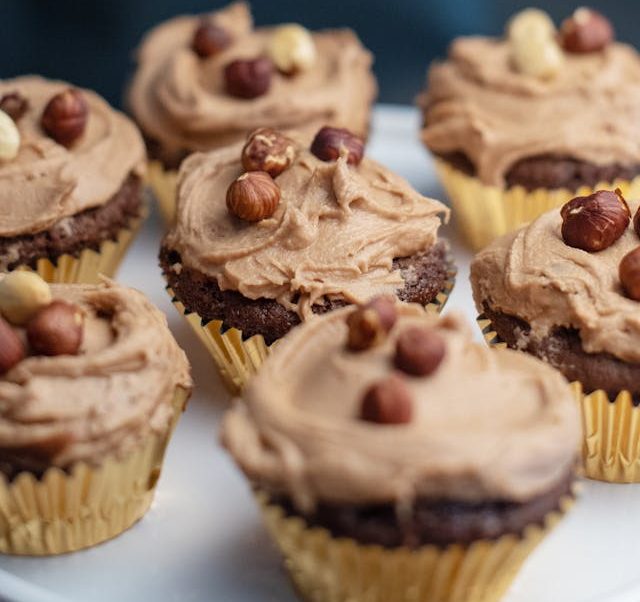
[629,273]
[369,324]
[329,143]
[65,117]
[57,329]
[253,196]
[388,402]
[586,31]
[268,150]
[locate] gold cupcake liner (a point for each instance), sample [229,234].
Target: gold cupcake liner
[66,511]
[163,183]
[611,428]
[483,213]
[328,569]
[238,359]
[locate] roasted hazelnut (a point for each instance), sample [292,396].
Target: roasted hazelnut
[387,402]
[209,39]
[369,324]
[248,78]
[11,347]
[14,104]
[253,196]
[268,150]
[65,117]
[9,138]
[329,143]
[629,272]
[292,49]
[22,295]
[586,31]
[419,351]
[593,223]
[57,329]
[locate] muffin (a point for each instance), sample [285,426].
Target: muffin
[563,289]
[71,174]
[421,467]
[91,386]
[523,124]
[251,255]
[204,82]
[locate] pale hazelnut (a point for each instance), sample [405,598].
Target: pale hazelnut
[537,56]
[530,23]
[268,150]
[22,295]
[253,196]
[9,138]
[292,49]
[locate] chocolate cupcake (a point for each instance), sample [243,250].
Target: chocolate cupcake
[71,175]
[522,124]
[91,385]
[251,255]
[565,289]
[204,82]
[427,464]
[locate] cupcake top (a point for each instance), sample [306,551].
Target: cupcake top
[93,371]
[424,413]
[331,228]
[72,152]
[492,102]
[186,101]
[546,275]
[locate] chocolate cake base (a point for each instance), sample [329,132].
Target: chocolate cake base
[425,276]
[71,235]
[563,350]
[551,172]
[432,522]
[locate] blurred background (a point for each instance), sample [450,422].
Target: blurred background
[91,43]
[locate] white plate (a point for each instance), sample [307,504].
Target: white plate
[202,539]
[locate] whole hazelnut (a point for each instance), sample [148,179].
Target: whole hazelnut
[65,117]
[56,329]
[14,104]
[636,221]
[594,222]
[369,324]
[12,349]
[586,31]
[419,351]
[9,138]
[388,401]
[537,56]
[329,143]
[268,150]
[629,272]
[248,78]
[292,49]
[530,23]
[253,196]
[209,39]
[22,295]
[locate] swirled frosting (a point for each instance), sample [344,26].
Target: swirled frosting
[487,425]
[47,182]
[179,99]
[107,399]
[478,104]
[532,274]
[335,233]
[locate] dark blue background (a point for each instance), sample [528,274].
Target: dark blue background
[90,42]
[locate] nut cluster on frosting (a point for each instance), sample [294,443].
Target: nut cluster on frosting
[290,50]
[419,351]
[255,195]
[537,48]
[51,327]
[594,222]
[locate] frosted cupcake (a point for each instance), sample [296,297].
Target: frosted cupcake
[71,181]
[522,124]
[91,385]
[203,82]
[420,465]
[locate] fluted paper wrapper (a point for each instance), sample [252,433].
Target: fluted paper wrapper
[238,359]
[483,213]
[64,511]
[611,428]
[328,569]
[163,183]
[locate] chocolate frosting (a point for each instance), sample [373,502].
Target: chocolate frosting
[487,425]
[179,99]
[335,232]
[107,399]
[47,182]
[479,105]
[532,274]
